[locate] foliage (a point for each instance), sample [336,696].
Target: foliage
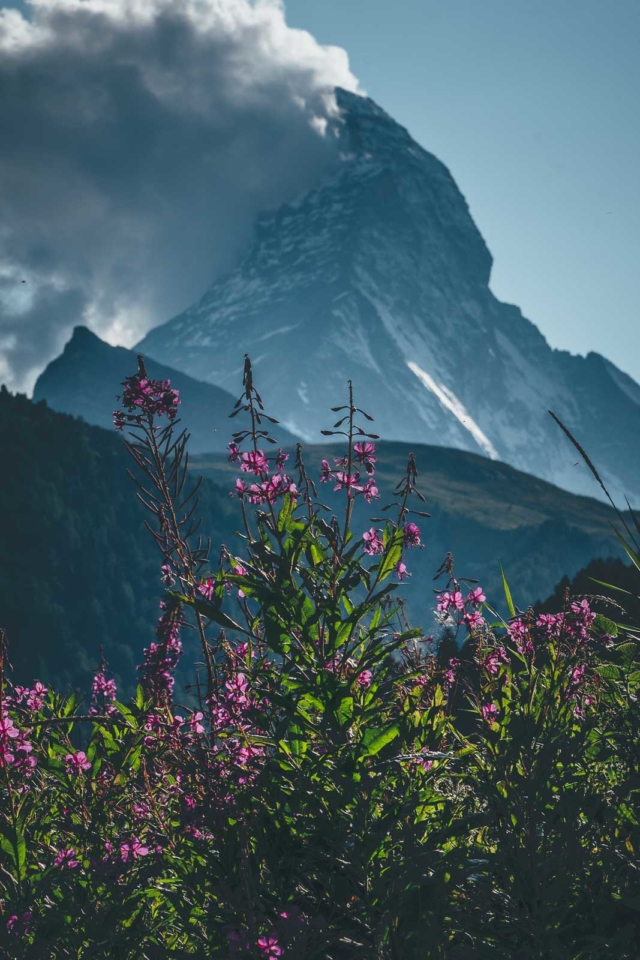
[343,789]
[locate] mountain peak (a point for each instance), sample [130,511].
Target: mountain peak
[379,275]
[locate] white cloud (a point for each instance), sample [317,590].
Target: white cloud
[140,138]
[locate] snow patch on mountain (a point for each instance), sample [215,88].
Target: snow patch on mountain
[450,402]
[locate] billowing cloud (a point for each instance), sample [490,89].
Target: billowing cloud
[139,139]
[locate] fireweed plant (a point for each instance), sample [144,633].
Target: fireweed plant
[341,787]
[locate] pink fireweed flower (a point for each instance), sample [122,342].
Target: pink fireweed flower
[412,535]
[448,601]
[493,660]
[234,453]
[370,491]
[35,696]
[8,733]
[372,542]
[426,764]
[143,397]
[77,762]
[346,481]
[237,688]
[254,461]
[132,849]
[476,597]
[366,454]
[281,459]
[450,674]
[103,694]
[364,679]
[207,588]
[20,926]
[490,712]
[473,620]
[194,722]
[270,947]
[519,633]
[66,859]
[240,488]
[325,472]
[167,577]
[401,570]
[7,728]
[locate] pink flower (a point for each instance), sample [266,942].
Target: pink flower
[234,453]
[194,722]
[519,633]
[346,481]
[20,926]
[489,712]
[325,472]
[36,696]
[411,535]
[133,849]
[448,601]
[473,620]
[66,859]
[372,542]
[370,491]
[7,728]
[281,459]
[401,570]
[365,452]
[167,577]
[77,762]
[254,462]
[476,597]
[365,678]
[270,947]
[206,589]
[494,658]
[426,764]
[237,688]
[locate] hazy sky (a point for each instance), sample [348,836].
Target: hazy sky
[532,106]
[535,109]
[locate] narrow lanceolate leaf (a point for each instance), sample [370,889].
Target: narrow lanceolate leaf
[631,553]
[507,593]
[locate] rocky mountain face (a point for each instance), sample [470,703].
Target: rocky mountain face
[86,378]
[379,275]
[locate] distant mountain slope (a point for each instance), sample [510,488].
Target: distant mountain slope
[486,513]
[78,569]
[85,380]
[380,275]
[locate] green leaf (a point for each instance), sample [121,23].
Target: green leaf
[212,612]
[286,512]
[610,586]
[507,593]
[375,738]
[604,625]
[633,556]
[392,556]
[345,711]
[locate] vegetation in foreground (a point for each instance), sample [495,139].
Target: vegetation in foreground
[345,786]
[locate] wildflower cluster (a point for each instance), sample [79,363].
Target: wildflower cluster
[342,786]
[144,399]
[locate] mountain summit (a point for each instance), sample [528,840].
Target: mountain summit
[380,276]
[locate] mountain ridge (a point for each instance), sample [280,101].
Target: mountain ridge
[379,274]
[83,381]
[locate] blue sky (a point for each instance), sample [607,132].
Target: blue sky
[534,109]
